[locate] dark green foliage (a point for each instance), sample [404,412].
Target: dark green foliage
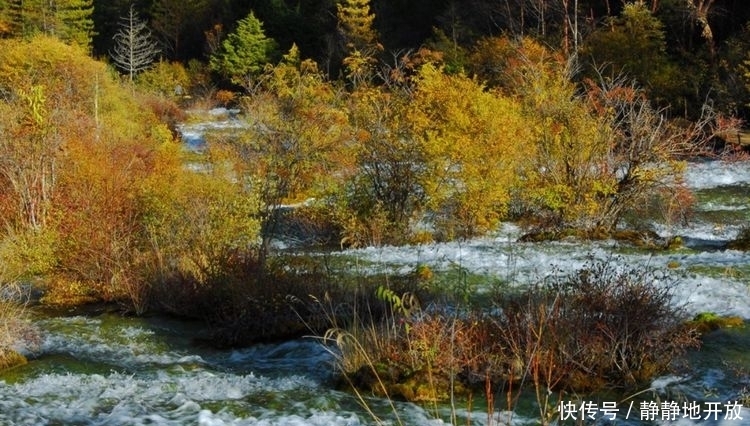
[741,241]
[244,52]
[634,44]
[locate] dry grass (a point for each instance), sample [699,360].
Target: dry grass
[16,331]
[599,328]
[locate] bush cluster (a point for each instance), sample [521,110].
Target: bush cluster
[598,328]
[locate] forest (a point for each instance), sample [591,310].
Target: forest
[705,40]
[365,123]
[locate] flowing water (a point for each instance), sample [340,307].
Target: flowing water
[113,370]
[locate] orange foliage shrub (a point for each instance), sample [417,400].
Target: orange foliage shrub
[224,97]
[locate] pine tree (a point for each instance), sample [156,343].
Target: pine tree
[69,20]
[173,21]
[76,25]
[244,52]
[356,25]
[28,17]
[135,48]
[6,18]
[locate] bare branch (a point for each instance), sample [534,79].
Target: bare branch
[135,48]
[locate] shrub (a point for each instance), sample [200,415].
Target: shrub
[742,241]
[599,327]
[225,97]
[16,331]
[168,79]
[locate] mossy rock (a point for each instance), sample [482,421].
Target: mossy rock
[641,239]
[418,386]
[675,243]
[637,238]
[423,388]
[10,358]
[742,242]
[709,321]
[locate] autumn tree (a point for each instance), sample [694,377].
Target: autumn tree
[30,149]
[197,226]
[79,144]
[135,49]
[601,151]
[566,178]
[646,152]
[244,52]
[33,128]
[361,40]
[293,138]
[474,142]
[384,196]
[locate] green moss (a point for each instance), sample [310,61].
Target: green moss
[735,272]
[705,322]
[636,238]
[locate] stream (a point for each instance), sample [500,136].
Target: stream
[114,370]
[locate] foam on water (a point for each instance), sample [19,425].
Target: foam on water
[713,174]
[194,134]
[532,262]
[164,399]
[88,338]
[153,375]
[503,257]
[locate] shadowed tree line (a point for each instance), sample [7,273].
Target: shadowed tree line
[682,51]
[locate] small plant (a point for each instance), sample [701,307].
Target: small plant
[706,322]
[601,328]
[16,331]
[225,97]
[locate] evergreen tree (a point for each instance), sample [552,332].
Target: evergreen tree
[135,48]
[244,52]
[69,20]
[634,44]
[178,22]
[75,21]
[27,17]
[356,25]
[6,19]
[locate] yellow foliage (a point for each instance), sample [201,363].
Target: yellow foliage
[195,222]
[295,135]
[10,358]
[567,172]
[474,142]
[165,79]
[65,292]
[97,144]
